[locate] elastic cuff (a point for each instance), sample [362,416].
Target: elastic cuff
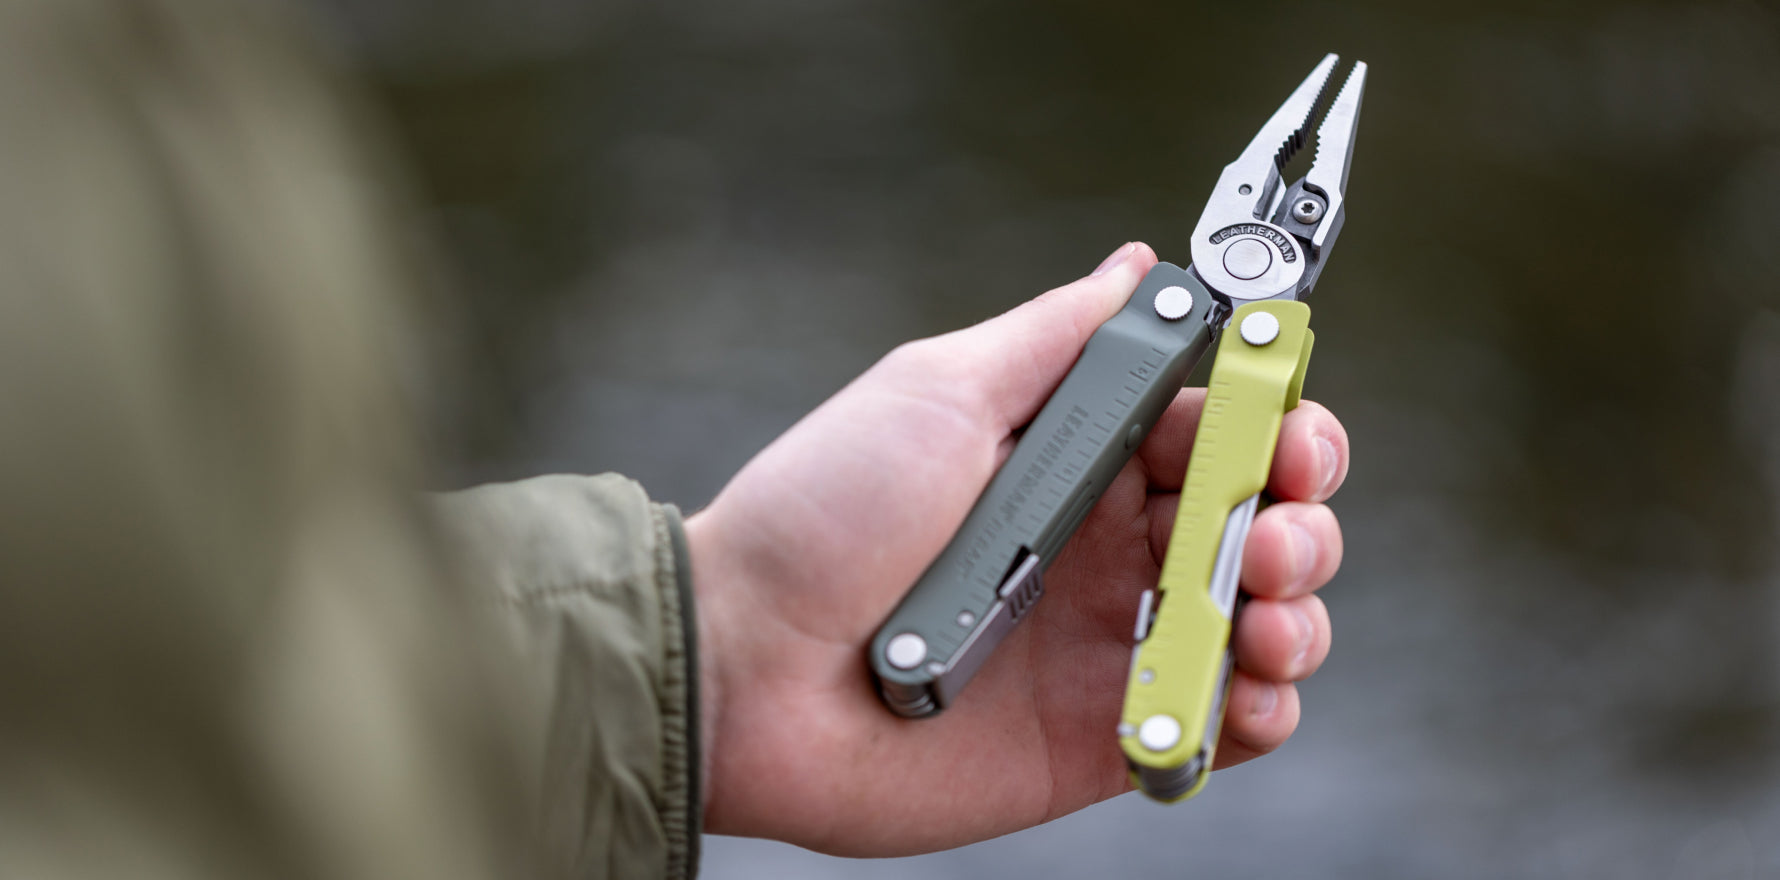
[680,741]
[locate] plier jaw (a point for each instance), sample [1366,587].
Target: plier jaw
[1258,239]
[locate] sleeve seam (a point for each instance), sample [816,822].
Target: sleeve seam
[680,759]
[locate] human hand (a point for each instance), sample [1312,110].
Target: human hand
[809,547]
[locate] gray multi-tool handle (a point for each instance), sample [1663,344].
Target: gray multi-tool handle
[987,578]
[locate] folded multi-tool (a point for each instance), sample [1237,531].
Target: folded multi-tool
[1258,249]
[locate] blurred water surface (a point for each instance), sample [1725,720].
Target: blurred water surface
[1552,329]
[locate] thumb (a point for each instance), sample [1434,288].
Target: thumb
[1013,362]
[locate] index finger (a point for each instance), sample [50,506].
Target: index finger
[1310,462]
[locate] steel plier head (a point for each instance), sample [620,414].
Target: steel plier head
[1259,239]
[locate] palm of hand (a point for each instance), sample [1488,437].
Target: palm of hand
[819,538]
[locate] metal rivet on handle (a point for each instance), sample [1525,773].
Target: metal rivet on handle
[1173,303]
[906,651]
[1260,328]
[1159,733]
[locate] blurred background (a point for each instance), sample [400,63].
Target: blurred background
[1552,328]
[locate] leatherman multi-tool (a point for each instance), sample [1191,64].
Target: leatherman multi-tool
[1258,249]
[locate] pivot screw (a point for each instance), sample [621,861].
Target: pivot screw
[1247,259]
[1307,211]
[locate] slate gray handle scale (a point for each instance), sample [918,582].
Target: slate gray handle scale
[990,575]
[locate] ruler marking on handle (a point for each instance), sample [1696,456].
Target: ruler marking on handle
[1060,467]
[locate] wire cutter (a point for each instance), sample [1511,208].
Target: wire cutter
[1257,250]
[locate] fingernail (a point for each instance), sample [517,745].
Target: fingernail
[1331,463]
[1114,259]
[1265,700]
[1303,553]
[1306,636]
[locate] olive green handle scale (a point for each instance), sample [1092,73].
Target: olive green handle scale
[1181,665]
[990,574]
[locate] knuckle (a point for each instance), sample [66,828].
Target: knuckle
[920,362]
[908,356]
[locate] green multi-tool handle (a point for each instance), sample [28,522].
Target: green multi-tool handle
[1181,665]
[989,576]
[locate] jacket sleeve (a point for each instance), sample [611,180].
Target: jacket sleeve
[594,580]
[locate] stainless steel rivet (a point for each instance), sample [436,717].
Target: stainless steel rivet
[1173,303]
[1159,733]
[965,618]
[906,651]
[1260,328]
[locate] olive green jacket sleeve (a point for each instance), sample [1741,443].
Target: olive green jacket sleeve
[594,581]
[234,642]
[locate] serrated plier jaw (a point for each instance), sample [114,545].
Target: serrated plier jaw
[1261,239]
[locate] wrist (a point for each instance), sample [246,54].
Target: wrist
[710,599]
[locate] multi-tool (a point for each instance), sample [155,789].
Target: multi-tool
[1258,249]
